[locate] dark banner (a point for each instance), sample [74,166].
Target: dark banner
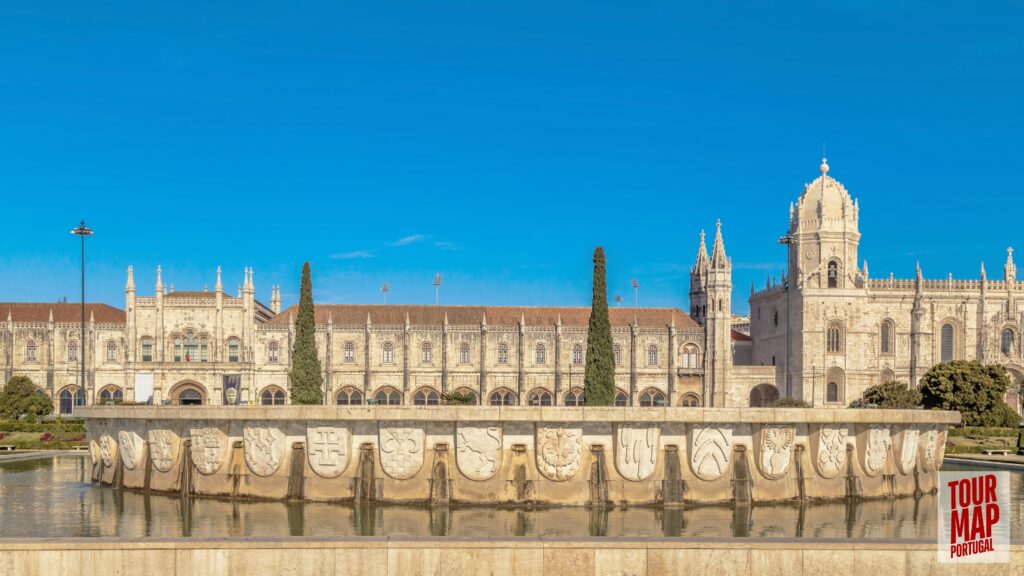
[232,389]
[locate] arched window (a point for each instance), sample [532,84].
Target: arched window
[541,356]
[689,354]
[502,353]
[177,349]
[763,395]
[147,349]
[885,337]
[388,396]
[835,387]
[886,376]
[272,352]
[577,354]
[539,397]
[111,351]
[574,397]
[389,353]
[349,396]
[190,397]
[946,345]
[350,352]
[833,274]
[69,398]
[30,351]
[1006,345]
[834,339]
[72,351]
[652,355]
[464,353]
[503,397]
[652,397]
[426,397]
[621,399]
[204,350]
[690,400]
[272,396]
[775,318]
[233,350]
[426,353]
[618,355]
[111,395]
[191,348]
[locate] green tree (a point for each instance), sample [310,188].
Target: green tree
[306,376]
[974,389]
[599,376]
[889,395]
[21,397]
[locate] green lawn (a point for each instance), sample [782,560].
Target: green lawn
[975,440]
[44,436]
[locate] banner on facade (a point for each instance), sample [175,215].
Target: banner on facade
[144,388]
[232,389]
[974,513]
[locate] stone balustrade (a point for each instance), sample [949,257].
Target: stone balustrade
[493,455]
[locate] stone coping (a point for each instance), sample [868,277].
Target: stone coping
[526,414]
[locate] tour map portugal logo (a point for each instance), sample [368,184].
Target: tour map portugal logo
[974,508]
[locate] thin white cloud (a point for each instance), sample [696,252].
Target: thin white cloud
[407,240]
[353,254]
[446,245]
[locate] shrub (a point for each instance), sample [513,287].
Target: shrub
[970,387]
[890,395]
[458,398]
[20,397]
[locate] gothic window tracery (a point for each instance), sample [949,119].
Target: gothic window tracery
[834,339]
[1006,344]
[503,353]
[946,343]
[30,351]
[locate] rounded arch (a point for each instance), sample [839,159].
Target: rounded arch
[426,353]
[503,397]
[110,394]
[540,397]
[652,355]
[886,376]
[426,396]
[834,273]
[689,400]
[30,351]
[464,353]
[349,396]
[689,356]
[574,397]
[763,395]
[272,396]
[834,338]
[540,354]
[111,347]
[1009,341]
[502,353]
[577,354]
[68,398]
[887,337]
[621,398]
[188,393]
[652,397]
[835,386]
[387,396]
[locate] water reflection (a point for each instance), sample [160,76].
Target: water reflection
[52,497]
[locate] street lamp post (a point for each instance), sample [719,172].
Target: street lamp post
[82,232]
[787,240]
[636,293]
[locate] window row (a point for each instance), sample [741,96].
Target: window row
[191,348]
[350,396]
[689,354]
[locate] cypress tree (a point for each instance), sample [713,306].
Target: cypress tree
[599,378]
[306,377]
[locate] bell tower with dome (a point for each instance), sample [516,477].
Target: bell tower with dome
[824,235]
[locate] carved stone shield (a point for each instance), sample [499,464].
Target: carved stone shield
[559,451]
[873,443]
[264,448]
[108,449]
[94,451]
[828,449]
[208,446]
[636,450]
[478,450]
[774,450]
[927,447]
[709,450]
[164,446]
[401,450]
[906,446]
[329,449]
[131,446]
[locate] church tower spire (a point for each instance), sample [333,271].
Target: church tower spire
[698,280]
[718,257]
[718,322]
[1010,269]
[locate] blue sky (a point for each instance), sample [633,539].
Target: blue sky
[496,144]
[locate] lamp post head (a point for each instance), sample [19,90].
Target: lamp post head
[81,230]
[787,239]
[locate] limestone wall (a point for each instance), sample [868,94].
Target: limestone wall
[525,556]
[553,455]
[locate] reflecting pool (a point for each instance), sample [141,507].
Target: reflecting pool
[52,497]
